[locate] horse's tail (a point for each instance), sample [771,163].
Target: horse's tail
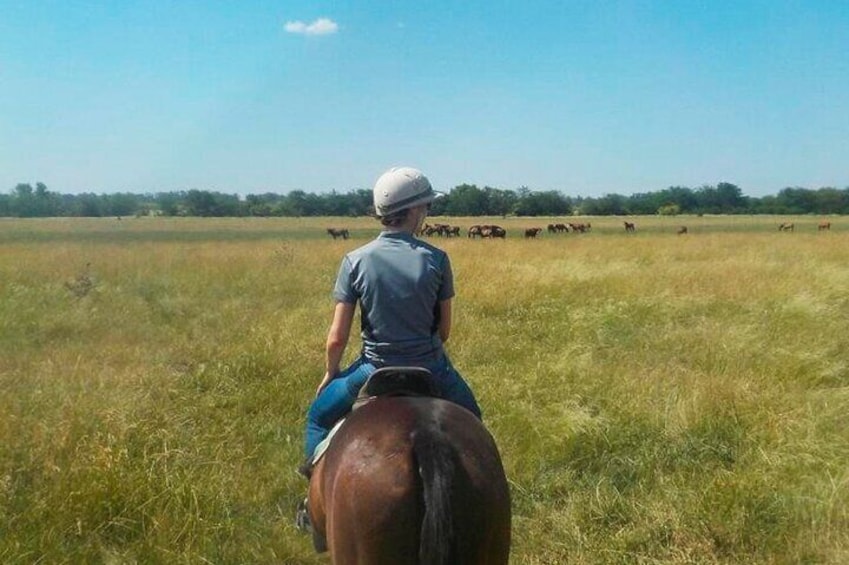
[437,465]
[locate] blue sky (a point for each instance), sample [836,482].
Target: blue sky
[584,97]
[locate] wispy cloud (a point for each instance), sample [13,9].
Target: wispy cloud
[321,26]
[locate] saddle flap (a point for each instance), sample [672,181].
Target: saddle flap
[414,381]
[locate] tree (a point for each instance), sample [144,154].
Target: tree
[227,205]
[671,209]
[682,196]
[466,200]
[169,202]
[607,205]
[731,197]
[45,202]
[88,205]
[200,203]
[23,190]
[298,203]
[548,203]
[120,204]
[828,200]
[23,201]
[261,204]
[645,203]
[795,200]
[725,198]
[499,202]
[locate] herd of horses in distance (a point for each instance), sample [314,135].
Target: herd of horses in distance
[494,231]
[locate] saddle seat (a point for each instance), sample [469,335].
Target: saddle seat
[397,381]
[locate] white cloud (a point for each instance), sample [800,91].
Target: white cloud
[321,26]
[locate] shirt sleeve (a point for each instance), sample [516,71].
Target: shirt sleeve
[446,291]
[343,290]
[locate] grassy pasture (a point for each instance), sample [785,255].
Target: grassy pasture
[656,398]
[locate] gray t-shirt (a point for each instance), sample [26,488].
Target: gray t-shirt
[399,281]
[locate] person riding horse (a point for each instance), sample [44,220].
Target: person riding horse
[409,478]
[404,287]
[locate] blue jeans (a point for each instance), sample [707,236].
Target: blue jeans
[337,398]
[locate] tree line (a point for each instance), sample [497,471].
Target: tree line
[26,201]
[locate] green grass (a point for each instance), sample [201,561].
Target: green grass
[656,398]
[167,230]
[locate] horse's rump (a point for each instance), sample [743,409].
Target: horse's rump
[412,476]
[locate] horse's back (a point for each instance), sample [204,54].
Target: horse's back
[404,471]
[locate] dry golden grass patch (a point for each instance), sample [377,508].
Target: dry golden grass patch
[656,398]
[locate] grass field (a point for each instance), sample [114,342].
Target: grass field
[656,398]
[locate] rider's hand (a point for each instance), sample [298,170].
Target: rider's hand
[324,382]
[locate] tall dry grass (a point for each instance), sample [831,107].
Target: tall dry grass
[656,398]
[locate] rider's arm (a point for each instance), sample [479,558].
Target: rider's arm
[337,340]
[444,319]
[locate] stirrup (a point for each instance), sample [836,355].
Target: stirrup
[305,468]
[302,517]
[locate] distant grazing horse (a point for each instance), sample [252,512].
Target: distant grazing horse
[343,233]
[474,231]
[786,226]
[532,232]
[552,228]
[441,230]
[411,479]
[629,226]
[824,226]
[682,230]
[493,231]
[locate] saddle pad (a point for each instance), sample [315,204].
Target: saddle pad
[325,443]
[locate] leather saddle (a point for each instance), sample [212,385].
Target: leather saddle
[397,381]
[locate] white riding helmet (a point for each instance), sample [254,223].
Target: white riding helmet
[400,188]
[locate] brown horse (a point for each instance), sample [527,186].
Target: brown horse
[786,226]
[343,233]
[824,226]
[411,480]
[494,231]
[630,226]
[682,230]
